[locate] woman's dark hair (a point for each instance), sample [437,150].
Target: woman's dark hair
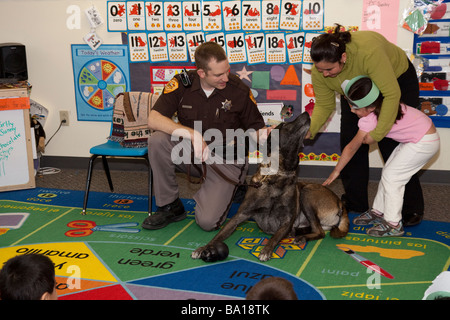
[329,47]
[27,277]
[361,88]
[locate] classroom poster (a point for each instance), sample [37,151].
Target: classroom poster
[381,16]
[13,149]
[99,76]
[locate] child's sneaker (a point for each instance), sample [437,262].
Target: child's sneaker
[384,229]
[367,218]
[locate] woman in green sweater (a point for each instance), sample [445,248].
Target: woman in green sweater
[341,56]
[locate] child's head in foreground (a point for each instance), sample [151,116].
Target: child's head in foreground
[28,277]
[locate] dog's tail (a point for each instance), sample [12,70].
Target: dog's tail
[341,229]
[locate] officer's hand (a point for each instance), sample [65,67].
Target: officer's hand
[201,150]
[263,133]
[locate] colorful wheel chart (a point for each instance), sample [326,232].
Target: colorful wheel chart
[99,82]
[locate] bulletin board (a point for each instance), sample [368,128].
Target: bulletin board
[267,44]
[16,156]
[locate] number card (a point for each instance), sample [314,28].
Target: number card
[193,41]
[158,47]
[173,16]
[294,45]
[137,44]
[235,47]
[154,16]
[251,15]
[177,46]
[135,15]
[211,16]
[192,16]
[275,48]
[117,16]
[270,14]
[218,37]
[231,15]
[309,37]
[290,14]
[312,15]
[255,45]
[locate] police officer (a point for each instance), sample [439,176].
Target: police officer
[205,99]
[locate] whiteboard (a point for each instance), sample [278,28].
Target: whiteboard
[16,166]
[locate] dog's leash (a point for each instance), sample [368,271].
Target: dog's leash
[219,172]
[202,172]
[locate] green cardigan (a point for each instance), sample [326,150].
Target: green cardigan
[370,54]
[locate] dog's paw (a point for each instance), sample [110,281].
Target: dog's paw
[197,254]
[300,240]
[265,255]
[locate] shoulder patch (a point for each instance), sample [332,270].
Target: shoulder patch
[171,86]
[252,97]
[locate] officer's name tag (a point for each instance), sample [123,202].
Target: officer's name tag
[186,106]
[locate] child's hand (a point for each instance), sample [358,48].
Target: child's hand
[333,176]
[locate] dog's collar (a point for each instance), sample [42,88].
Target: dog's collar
[264,177]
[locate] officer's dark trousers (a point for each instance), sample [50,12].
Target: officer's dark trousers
[215,196]
[355,175]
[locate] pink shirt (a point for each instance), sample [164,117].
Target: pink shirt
[410,128]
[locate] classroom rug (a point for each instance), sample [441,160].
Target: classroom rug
[106,255]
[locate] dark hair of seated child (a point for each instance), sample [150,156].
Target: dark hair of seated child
[28,277]
[273,288]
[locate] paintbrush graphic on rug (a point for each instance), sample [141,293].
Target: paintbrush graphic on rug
[367,263]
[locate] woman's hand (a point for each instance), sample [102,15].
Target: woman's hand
[368,139]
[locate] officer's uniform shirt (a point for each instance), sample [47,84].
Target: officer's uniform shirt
[233,107]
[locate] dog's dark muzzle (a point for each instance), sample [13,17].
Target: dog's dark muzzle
[303,121]
[300,124]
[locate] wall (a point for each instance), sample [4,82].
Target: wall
[41,26]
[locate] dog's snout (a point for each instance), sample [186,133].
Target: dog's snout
[305,117]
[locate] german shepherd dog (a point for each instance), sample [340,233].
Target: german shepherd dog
[280,204]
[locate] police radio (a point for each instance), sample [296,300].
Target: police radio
[185,80]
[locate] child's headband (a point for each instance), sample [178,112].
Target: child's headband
[367,100]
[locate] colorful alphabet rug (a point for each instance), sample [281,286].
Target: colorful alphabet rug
[106,254]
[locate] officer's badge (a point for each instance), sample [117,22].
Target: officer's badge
[226,105]
[171,86]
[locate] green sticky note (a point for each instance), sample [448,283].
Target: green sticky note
[261,80]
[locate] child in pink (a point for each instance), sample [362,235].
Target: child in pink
[419,142]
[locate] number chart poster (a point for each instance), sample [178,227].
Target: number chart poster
[249,31]
[99,76]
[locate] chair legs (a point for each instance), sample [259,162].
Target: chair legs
[89,177]
[88,183]
[108,176]
[150,186]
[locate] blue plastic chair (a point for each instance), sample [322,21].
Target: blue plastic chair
[114,149]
